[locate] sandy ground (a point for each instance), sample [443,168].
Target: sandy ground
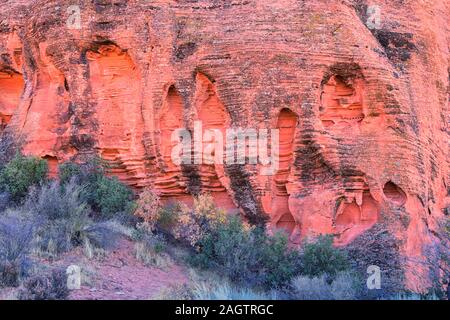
[117,276]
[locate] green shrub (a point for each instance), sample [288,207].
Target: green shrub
[84,173]
[68,171]
[168,216]
[321,257]
[112,196]
[226,248]
[104,194]
[20,174]
[48,286]
[247,255]
[281,262]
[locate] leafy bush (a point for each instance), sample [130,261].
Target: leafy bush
[68,171]
[49,286]
[111,196]
[247,256]
[104,194]
[85,173]
[281,263]
[193,224]
[321,257]
[20,174]
[168,216]
[148,207]
[15,243]
[343,287]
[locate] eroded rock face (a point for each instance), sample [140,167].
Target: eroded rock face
[363,113]
[11,86]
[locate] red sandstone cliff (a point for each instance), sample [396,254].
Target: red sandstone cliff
[363,113]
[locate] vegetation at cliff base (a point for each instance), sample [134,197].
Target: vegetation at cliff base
[42,219]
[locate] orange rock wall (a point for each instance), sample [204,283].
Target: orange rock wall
[363,113]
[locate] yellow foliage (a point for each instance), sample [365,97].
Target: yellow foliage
[148,207]
[194,223]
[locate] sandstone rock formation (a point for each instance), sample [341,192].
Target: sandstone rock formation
[363,112]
